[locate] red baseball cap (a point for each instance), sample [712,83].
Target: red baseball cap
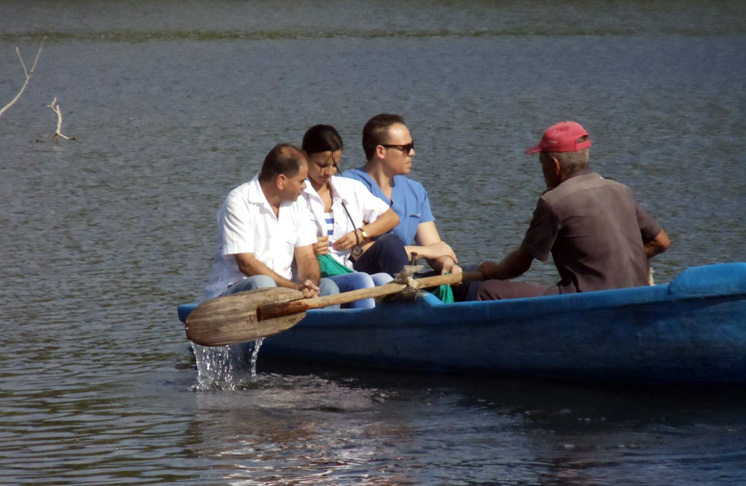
[562,137]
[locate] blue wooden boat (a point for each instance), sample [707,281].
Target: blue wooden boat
[690,331]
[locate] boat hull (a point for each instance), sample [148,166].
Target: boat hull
[691,331]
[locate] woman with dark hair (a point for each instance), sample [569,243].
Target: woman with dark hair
[355,248]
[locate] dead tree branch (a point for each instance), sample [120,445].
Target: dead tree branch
[55,107]
[28,75]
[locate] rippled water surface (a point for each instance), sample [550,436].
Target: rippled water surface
[174,103]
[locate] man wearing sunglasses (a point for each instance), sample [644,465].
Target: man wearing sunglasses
[389,149]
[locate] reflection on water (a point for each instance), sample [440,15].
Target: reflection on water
[174,103]
[323,426]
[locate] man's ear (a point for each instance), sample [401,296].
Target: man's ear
[280,181]
[379,151]
[557,167]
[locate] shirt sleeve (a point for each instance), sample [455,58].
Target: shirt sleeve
[236,224]
[305,227]
[370,206]
[649,227]
[422,205]
[542,232]
[426,211]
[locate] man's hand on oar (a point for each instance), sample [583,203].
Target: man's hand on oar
[247,316]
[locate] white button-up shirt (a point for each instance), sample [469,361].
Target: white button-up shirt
[247,224]
[363,207]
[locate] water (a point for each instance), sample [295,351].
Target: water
[174,103]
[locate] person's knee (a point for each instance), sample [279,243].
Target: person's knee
[389,239]
[263,281]
[381,278]
[328,287]
[250,283]
[392,243]
[389,253]
[364,281]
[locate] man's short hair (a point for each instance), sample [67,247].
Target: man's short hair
[571,161]
[284,159]
[376,131]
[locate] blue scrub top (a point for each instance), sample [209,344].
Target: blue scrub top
[408,199]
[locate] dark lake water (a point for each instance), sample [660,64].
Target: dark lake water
[173,103]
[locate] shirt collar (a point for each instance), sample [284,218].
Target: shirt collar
[256,195]
[580,172]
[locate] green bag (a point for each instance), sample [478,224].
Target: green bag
[329,266]
[444,293]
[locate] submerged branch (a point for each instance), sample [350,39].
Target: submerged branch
[55,107]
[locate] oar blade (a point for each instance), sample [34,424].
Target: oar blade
[233,319]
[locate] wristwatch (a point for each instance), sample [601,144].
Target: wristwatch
[362,232]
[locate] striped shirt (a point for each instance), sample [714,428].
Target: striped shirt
[329,225]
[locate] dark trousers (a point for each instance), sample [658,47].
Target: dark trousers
[386,255]
[505,289]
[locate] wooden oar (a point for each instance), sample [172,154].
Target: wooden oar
[247,316]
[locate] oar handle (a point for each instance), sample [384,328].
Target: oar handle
[279,309]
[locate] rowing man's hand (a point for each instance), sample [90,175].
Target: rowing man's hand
[449,266]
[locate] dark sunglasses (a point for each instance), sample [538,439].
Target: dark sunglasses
[404,148]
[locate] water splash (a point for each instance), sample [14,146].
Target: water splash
[255,357]
[226,367]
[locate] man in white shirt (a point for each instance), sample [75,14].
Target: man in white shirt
[262,229]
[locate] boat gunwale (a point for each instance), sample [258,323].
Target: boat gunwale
[716,281]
